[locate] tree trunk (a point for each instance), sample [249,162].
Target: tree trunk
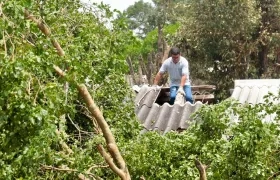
[142,63]
[128,60]
[140,74]
[165,56]
[160,38]
[263,60]
[150,69]
[166,53]
[277,63]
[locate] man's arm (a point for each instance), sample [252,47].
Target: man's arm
[183,80]
[185,73]
[157,78]
[182,84]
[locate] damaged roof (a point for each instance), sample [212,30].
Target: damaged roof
[158,115]
[162,117]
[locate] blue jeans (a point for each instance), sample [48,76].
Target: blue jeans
[188,92]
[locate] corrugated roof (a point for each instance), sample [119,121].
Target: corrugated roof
[165,117]
[253,91]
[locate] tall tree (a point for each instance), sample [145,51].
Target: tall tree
[141,17]
[219,33]
[268,33]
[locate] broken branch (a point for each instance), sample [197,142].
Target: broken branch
[81,176]
[202,169]
[63,144]
[110,162]
[121,169]
[45,30]
[274,175]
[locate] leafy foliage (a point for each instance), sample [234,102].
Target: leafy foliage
[221,36]
[244,150]
[141,17]
[35,102]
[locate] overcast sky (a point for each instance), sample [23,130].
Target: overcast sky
[117,4]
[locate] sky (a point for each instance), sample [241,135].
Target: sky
[117,4]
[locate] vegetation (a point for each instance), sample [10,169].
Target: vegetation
[47,131]
[36,103]
[223,40]
[244,150]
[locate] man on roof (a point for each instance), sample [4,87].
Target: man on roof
[178,69]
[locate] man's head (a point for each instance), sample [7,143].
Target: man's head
[175,54]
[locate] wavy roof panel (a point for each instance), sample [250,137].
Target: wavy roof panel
[162,118]
[253,91]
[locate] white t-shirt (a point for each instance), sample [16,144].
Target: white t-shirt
[176,71]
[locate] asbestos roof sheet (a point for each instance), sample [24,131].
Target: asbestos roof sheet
[165,117]
[253,91]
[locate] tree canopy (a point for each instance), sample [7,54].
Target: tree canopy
[141,17]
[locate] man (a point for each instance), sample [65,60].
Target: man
[178,69]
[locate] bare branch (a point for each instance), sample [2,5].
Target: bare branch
[102,124]
[5,45]
[36,94]
[45,167]
[110,162]
[58,48]
[13,46]
[59,71]
[142,178]
[66,169]
[45,30]
[63,144]
[121,170]
[1,11]
[77,127]
[95,111]
[88,114]
[202,169]
[97,166]
[273,176]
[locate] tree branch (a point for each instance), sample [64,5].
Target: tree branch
[121,169]
[202,169]
[274,175]
[77,127]
[97,166]
[63,144]
[110,140]
[110,162]
[45,30]
[1,11]
[95,111]
[66,169]
[88,114]
[5,45]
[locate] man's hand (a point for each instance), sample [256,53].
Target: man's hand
[156,87]
[181,91]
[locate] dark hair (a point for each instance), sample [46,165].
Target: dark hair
[174,51]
